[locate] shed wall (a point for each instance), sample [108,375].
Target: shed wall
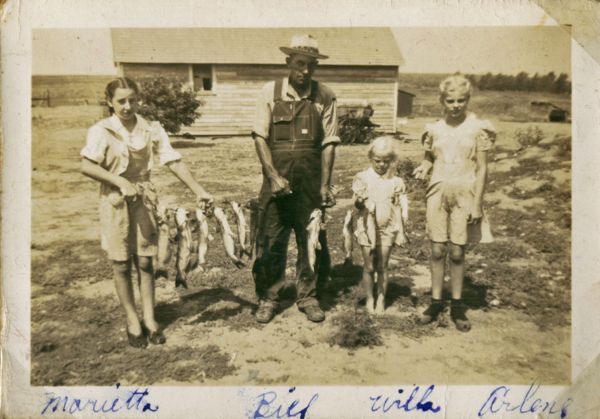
[229,108]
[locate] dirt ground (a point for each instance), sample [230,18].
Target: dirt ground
[517,288]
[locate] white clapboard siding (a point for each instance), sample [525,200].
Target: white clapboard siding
[229,108]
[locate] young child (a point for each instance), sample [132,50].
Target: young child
[456,147]
[119,154]
[378,195]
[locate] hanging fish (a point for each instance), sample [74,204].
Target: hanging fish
[348,233]
[228,237]
[193,223]
[401,216]
[203,237]
[252,207]
[241,229]
[167,237]
[314,228]
[184,247]
[371,224]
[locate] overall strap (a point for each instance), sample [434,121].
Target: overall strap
[278,90]
[314,89]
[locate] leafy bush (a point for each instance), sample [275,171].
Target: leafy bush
[354,330]
[530,136]
[356,129]
[168,102]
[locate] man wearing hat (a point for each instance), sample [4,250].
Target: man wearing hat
[295,134]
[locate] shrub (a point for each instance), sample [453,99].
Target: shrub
[168,102]
[354,330]
[530,136]
[356,129]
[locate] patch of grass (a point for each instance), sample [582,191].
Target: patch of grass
[406,326]
[82,345]
[355,329]
[83,260]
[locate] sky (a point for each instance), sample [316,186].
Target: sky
[475,50]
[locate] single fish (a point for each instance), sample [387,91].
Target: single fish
[315,222]
[193,223]
[252,207]
[167,235]
[203,237]
[184,248]
[241,228]
[348,233]
[371,224]
[228,237]
[400,211]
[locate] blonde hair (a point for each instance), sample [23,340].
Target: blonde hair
[385,145]
[455,83]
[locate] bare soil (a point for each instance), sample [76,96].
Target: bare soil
[517,288]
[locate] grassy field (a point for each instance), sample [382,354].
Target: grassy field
[518,288]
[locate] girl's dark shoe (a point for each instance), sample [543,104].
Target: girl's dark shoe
[457,313]
[139,341]
[155,337]
[432,312]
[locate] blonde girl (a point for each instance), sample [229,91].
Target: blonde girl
[378,196]
[456,147]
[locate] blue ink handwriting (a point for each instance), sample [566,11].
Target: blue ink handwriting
[497,402]
[379,403]
[132,400]
[269,407]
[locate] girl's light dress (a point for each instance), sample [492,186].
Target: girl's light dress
[128,227]
[451,191]
[388,195]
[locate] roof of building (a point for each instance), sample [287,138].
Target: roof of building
[344,46]
[406,93]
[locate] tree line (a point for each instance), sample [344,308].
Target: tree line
[523,82]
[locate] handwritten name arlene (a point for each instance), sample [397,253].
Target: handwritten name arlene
[501,400]
[129,401]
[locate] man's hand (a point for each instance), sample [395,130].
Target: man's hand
[327,198]
[280,186]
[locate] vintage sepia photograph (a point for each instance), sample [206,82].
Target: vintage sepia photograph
[301,206]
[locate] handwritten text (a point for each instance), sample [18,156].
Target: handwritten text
[131,400]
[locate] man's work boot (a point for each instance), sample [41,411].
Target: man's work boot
[313,313]
[265,312]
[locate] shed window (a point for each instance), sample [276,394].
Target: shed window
[203,78]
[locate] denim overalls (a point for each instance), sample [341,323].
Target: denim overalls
[295,141]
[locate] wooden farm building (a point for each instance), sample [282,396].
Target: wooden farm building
[228,66]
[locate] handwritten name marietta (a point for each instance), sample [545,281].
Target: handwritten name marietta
[128,401]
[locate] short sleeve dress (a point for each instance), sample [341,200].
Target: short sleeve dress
[450,194]
[388,198]
[128,227]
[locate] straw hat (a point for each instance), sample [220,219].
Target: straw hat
[305,45]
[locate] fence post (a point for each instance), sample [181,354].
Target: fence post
[48,97]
